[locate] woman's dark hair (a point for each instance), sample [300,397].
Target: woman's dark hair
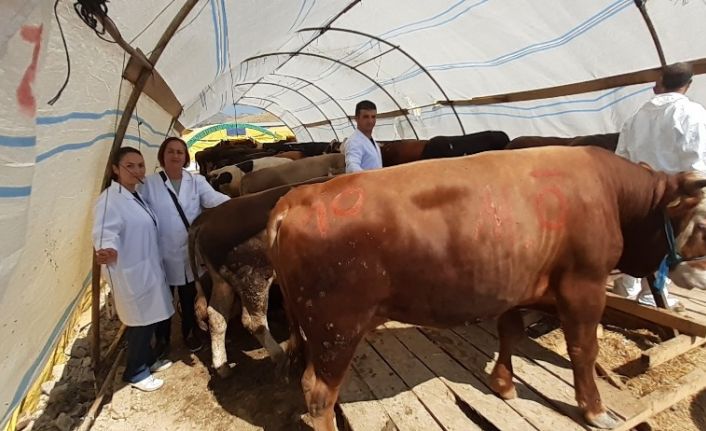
[118,157]
[163,148]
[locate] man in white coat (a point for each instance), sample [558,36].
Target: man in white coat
[172,194]
[669,134]
[361,150]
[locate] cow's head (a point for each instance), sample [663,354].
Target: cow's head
[688,214]
[226,179]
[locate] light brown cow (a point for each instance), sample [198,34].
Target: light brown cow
[295,172]
[443,242]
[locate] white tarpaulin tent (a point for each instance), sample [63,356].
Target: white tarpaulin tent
[430,66]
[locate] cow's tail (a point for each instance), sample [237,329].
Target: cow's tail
[295,346]
[200,302]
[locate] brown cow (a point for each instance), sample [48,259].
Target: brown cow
[402,151]
[291,155]
[295,172]
[443,242]
[608,141]
[229,241]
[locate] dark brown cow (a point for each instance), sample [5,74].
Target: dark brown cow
[608,141]
[443,242]
[229,241]
[465,145]
[402,151]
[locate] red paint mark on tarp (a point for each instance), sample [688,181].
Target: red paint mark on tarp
[344,198]
[25,97]
[552,209]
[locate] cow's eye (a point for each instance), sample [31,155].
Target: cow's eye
[701,226]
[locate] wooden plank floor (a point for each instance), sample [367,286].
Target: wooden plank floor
[694,302]
[410,378]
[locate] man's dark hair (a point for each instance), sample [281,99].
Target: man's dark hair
[676,76]
[364,105]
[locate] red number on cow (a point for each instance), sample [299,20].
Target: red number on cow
[341,204]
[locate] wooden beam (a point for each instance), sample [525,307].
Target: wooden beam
[657,315]
[155,87]
[632,78]
[662,399]
[670,349]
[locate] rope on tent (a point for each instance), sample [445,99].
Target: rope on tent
[68,60]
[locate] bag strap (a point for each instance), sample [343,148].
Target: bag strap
[175,200]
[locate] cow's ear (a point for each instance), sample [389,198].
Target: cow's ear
[693,184]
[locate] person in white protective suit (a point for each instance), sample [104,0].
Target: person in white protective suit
[125,239]
[669,134]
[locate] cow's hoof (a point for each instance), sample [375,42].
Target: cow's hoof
[503,390]
[224,371]
[604,420]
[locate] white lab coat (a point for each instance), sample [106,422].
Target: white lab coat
[194,194]
[361,154]
[668,133]
[140,289]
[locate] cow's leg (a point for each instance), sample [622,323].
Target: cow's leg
[329,355]
[511,330]
[254,294]
[320,398]
[580,306]
[218,313]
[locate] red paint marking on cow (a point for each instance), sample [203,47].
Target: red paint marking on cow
[546,173]
[321,218]
[492,211]
[542,206]
[352,210]
[25,97]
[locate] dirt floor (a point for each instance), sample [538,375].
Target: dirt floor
[253,398]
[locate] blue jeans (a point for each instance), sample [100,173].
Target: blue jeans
[139,352]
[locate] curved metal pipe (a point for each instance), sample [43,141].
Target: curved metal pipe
[345,114]
[272,102]
[403,52]
[297,92]
[658,45]
[365,75]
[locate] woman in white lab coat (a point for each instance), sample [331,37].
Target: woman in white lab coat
[125,237]
[164,191]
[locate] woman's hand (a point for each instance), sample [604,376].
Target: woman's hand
[106,255]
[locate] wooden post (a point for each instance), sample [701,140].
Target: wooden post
[117,142]
[95,314]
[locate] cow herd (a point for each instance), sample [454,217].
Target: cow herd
[436,239]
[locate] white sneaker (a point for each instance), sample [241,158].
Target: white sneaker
[160,365]
[148,384]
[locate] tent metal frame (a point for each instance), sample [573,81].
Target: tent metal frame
[293,54]
[308,99]
[274,102]
[397,48]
